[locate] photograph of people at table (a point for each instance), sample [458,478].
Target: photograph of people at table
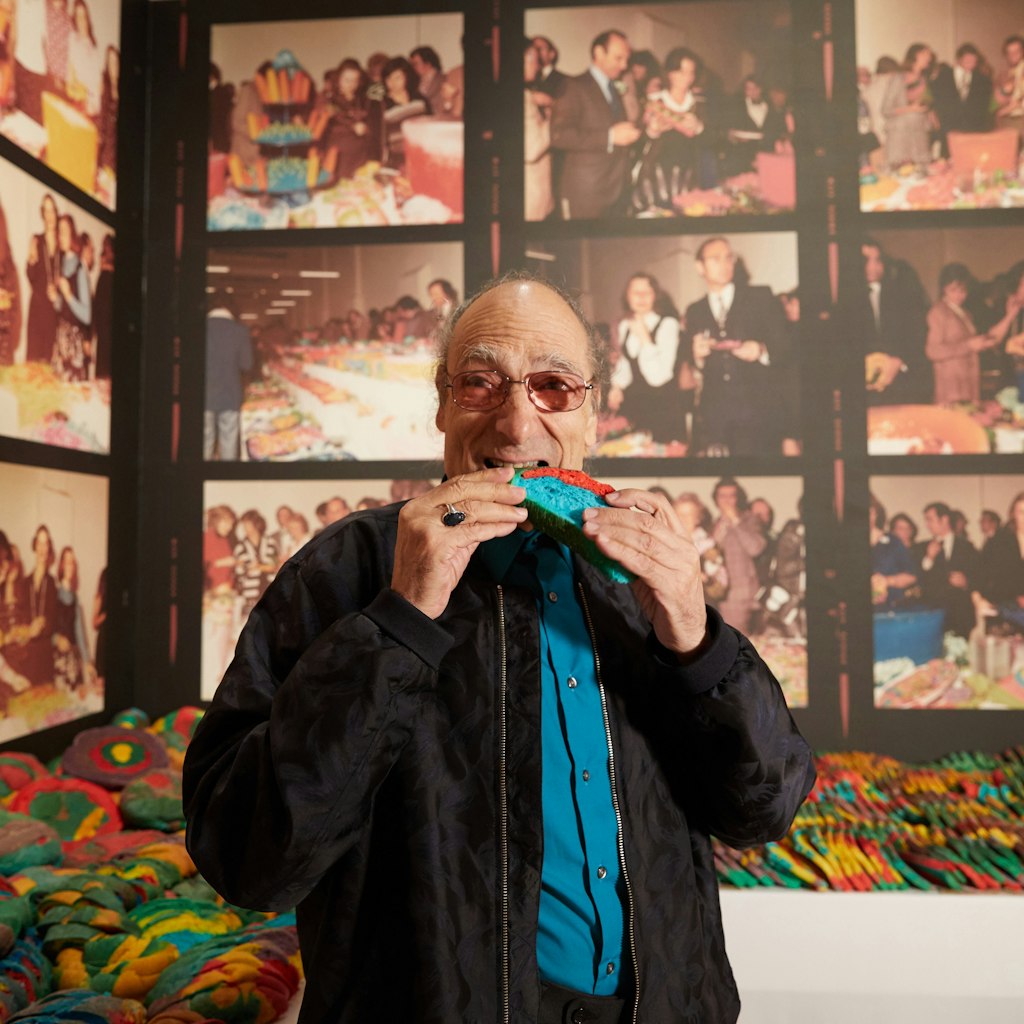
[940,104]
[321,353]
[56,317]
[947,591]
[703,338]
[347,122]
[939,317]
[659,110]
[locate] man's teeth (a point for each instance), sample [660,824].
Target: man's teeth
[495,463]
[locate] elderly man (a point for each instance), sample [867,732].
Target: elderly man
[485,774]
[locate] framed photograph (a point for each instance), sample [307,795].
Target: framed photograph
[60,65]
[702,335]
[56,317]
[940,104]
[939,314]
[348,122]
[658,110]
[53,610]
[250,529]
[947,591]
[325,353]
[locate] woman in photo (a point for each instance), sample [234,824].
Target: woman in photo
[539,201]
[894,579]
[255,560]
[42,610]
[99,624]
[352,129]
[56,42]
[85,63]
[10,297]
[43,272]
[219,584]
[696,517]
[110,100]
[954,343]
[14,605]
[906,108]
[402,100]
[643,382]
[103,311]
[70,647]
[74,306]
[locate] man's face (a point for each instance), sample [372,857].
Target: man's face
[614,59]
[989,525]
[752,91]
[544,51]
[938,526]
[517,328]
[727,497]
[874,267]
[1014,54]
[762,510]
[968,61]
[419,65]
[718,264]
[336,509]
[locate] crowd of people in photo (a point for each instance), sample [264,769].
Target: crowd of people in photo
[67,315]
[365,104]
[972,583]
[237,354]
[50,47]
[908,108]
[720,377]
[633,132]
[43,609]
[966,345]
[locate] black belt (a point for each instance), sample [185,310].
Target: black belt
[564,1006]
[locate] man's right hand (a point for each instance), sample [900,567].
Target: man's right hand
[624,133]
[430,557]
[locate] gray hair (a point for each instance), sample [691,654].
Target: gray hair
[596,347]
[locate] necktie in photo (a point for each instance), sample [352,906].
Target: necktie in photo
[618,110]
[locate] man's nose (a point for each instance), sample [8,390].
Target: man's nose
[517,415]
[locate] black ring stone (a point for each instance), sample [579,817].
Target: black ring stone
[453,518]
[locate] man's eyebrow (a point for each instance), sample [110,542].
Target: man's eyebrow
[483,352]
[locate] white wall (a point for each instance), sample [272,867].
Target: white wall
[322,44]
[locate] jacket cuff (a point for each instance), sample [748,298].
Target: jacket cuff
[407,625]
[708,666]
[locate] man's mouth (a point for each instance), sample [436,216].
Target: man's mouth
[496,463]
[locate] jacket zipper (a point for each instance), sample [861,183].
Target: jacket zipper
[615,805]
[503,810]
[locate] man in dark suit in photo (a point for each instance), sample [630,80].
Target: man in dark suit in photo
[590,128]
[888,312]
[962,95]
[550,80]
[949,564]
[738,336]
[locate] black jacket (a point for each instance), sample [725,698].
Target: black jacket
[381,770]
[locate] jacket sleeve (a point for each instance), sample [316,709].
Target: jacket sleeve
[312,713]
[740,762]
[569,127]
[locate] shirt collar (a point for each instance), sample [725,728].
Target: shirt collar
[499,553]
[602,80]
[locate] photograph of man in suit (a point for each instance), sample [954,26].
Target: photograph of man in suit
[948,565]
[549,80]
[889,311]
[591,129]
[962,95]
[738,336]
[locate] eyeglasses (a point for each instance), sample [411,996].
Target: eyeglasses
[549,390]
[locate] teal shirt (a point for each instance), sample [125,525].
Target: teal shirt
[580,929]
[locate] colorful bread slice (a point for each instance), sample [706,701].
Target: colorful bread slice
[556,499]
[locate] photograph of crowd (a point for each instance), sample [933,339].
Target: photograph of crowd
[658,110]
[60,66]
[947,589]
[342,123]
[251,528]
[749,532]
[939,315]
[317,353]
[703,340]
[56,317]
[53,604]
[940,104]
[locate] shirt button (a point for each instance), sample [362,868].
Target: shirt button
[572,682]
[552,596]
[602,872]
[610,969]
[586,775]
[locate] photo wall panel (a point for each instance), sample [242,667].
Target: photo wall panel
[690,376]
[325,353]
[342,122]
[56,317]
[947,592]
[53,601]
[940,104]
[60,69]
[698,119]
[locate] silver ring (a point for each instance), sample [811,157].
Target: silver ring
[453,517]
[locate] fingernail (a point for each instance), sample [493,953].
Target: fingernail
[589,513]
[590,527]
[521,512]
[520,493]
[612,494]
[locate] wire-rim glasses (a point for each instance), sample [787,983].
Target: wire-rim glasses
[549,390]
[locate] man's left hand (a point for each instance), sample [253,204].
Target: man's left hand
[642,532]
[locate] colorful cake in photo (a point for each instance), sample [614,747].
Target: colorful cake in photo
[556,499]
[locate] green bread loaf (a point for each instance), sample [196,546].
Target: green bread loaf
[556,499]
